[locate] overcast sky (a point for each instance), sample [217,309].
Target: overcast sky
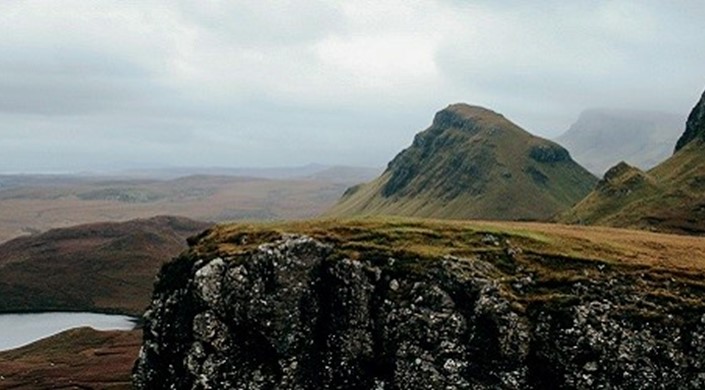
[96,85]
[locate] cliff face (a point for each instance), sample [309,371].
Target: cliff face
[296,314]
[695,126]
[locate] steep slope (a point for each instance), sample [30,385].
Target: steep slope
[95,267]
[421,304]
[81,358]
[669,197]
[601,138]
[472,163]
[695,126]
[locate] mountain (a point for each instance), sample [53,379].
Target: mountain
[95,267]
[669,197]
[473,163]
[601,138]
[418,304]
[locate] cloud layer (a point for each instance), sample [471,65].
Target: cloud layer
[94,85]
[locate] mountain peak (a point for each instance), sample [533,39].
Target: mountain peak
[473,163]
[695,126]
[465,116]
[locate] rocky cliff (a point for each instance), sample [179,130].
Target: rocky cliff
[410,305]
[695,126]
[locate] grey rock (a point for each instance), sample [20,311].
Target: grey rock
[291,315]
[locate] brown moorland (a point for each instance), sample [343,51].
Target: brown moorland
[36,204]
[80,358]
[104,267]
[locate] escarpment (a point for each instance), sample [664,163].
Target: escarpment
[408,305]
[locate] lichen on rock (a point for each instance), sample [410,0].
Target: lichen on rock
[294,314]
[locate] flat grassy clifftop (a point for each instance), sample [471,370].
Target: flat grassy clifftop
[558,257]
[431,238]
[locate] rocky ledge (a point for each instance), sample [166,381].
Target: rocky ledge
[293,313]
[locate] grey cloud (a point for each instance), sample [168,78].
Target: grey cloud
[276,83]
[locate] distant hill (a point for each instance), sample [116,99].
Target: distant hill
[601,138]
[81,358]
[473,163]
[32,204]
[273,173]
[669,197]
[95,267]
[345,174]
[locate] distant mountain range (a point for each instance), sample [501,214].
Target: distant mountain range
[473,163]
[602,138]
[668,197]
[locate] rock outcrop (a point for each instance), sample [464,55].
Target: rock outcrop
[294,313]
[695,126]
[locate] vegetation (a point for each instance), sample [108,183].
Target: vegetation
[78,358]
[669,197]
[107,267]
[556,255]
[472,163]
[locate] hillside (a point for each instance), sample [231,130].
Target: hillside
[472,163]
[669,197]
[601,138]
[80,358]
[401,303]
[105,267]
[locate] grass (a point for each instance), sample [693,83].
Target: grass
[666,198]
[427,237]
[666,270]
[473,163]
[77,358]
[107,267]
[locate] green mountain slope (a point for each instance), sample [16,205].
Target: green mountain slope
[473,163]
[669,197]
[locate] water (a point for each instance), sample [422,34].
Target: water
[20,329]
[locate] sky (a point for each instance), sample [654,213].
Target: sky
[92,85]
